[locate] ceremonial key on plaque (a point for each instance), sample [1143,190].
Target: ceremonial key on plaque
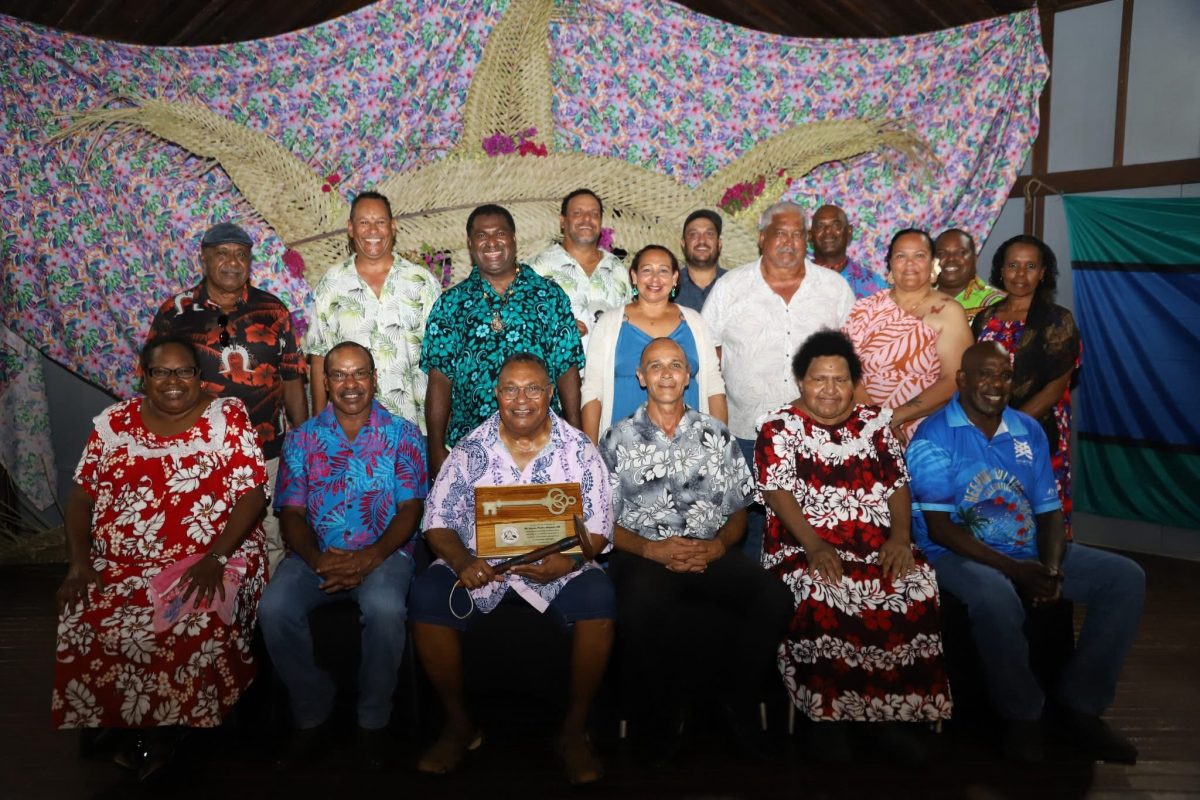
[510,520]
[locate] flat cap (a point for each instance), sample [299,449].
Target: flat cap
[226,233]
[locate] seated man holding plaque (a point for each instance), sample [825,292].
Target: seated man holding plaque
[522,445]
[680,489]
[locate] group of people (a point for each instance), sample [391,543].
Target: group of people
[780,464]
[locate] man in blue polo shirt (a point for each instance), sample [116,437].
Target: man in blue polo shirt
[992,526]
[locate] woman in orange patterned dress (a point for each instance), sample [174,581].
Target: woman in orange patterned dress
[910,338]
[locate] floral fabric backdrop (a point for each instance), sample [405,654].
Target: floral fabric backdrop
[95,237]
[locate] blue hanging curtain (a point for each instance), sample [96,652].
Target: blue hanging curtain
[1137,301]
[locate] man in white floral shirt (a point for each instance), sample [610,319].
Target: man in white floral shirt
[379,300]
[594,279]
[680,487]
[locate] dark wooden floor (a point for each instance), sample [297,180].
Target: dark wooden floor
[1158,707]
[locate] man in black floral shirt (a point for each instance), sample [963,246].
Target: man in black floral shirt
[246,346]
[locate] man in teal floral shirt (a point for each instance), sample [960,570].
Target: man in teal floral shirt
[501,308]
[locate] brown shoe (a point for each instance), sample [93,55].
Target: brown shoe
[447,752]
[579,759]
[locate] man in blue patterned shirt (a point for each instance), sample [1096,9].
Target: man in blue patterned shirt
[350,494]
[991,524]
[501,308]
[680,488]
[830,235]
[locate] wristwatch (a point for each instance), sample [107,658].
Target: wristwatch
[220,559]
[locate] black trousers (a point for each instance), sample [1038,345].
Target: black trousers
[687,634]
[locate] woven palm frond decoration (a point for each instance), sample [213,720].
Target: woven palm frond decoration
[511,91]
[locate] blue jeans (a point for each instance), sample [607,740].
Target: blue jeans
[283,615]
[1111,586]
[756,519]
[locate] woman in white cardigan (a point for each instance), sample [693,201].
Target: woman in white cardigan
[611,389]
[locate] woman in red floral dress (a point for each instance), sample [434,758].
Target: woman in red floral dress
[865,642]
[172,474]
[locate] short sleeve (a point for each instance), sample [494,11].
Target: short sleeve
[712,313]
[772,469]
[931,470]
[411,480]
[439,346]
[316,341]
[1043,495]
[608,454]
[565,348]
[893,471]
[291,484]
[845,300]
[451,500]
[246,466]
[598,493]
[739,483]
[161,324]
[89,463]
[291,360]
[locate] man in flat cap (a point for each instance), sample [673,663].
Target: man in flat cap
[246,346]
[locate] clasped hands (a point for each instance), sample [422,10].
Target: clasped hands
[682,554]
[1041,584]
[345,569]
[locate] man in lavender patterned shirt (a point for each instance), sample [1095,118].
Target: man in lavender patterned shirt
[523,443]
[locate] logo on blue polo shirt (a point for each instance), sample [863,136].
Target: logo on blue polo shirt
[996,510]
[1022,451]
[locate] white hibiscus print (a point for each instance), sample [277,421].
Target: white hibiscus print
[202,521]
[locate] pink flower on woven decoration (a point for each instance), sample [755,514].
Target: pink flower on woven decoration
[499,144]
[294,263]
[739,196]
[333,179]
[605,242]
[529,148]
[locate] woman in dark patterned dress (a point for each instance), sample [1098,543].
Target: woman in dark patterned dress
[865,643]
[1044,344]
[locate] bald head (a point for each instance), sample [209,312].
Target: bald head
[664,371]
[978,353]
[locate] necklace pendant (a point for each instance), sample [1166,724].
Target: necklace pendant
[497,322]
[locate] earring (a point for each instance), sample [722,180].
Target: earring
[674,292]
[635,293]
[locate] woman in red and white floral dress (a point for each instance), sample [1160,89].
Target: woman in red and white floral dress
[173,474]
[864,644]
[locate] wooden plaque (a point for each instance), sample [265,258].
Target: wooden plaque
[511,520]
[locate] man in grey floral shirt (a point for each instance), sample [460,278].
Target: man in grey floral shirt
[685,591]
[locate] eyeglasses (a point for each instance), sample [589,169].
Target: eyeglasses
[533,392]
[337,376]
[223,324]
[162,373]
